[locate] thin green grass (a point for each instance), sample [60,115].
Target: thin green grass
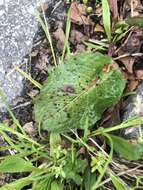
[68,28]
[16,122]
[129,123]
[55,158]
[5,128]
[103,171]
[106,18]
[45,28]
[38,85]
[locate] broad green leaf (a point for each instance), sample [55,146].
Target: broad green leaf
[13,164]
[106,18]
[127,150]
[78,90]
[136,21]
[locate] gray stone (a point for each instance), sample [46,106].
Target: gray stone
[134,108]
[18,26]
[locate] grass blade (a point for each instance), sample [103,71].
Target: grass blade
[130,123]
[16,122]
[68,27]
[96,184]
[37,84]
[106,18]
[45,28]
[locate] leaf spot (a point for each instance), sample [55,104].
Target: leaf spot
[68,89]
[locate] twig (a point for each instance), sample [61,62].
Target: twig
[22,105]
[128,55]
[119,174]
[112,162]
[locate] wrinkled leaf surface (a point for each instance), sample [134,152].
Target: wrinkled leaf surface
[78,89]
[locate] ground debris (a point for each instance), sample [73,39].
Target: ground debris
[132,8]
[79,14]
[30,129]
[59,35]
[130,46]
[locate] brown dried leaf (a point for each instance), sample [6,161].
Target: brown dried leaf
[139,74]
[132,85]
[128,63]
[133,42]
[80,48]
[76,37]
[78,12]
[134,6]
[98,28]
[131,45]
[30,129]
[111,117]
[60,37]
[98,10]
[43,7]
[114,9]
[129,76]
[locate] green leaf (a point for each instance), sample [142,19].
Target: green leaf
[89,179]
[118,183]
[56,186]
[17,184]
[74,168]
[127,150]
[106,18]
[13,164]
[55,141]
[76,90]
[42,184]
[136,21]
[131,122]
[95,46]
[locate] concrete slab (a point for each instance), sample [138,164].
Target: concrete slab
[18,26]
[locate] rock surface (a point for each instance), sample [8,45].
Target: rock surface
[133,109]
[18,27]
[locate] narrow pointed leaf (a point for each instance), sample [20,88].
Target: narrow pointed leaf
[106,18]
[119,183]
[127,150]
[136,21]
